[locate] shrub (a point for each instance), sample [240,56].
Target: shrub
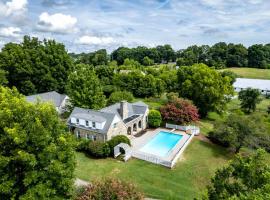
[117,140]
[111,189]
[172,96]
[179,111]
[154,118]
[82,144]
[118,96]
[98,149]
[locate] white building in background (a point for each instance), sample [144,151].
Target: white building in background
[243,83]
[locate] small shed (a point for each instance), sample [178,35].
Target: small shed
[125,147]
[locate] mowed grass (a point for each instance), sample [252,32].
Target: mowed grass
[251,72]
[187,180]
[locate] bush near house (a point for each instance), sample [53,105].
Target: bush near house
[117,140]
[111,189]
[154,118]
[82,144]
[98,149]
[179,111]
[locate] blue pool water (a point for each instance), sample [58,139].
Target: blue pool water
[161,144]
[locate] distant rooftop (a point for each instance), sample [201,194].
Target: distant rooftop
[252,83]
[53,97]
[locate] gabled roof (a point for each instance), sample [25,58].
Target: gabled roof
[107,115]
[133,108]
[92,115]
[53,97]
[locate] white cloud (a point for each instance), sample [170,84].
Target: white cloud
[10,32]
[13,7]
[58,23]
[94,40]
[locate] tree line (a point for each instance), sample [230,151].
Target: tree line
[219,55]
[35,66]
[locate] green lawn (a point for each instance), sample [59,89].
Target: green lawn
[186,181]
[153,103]
[251,72]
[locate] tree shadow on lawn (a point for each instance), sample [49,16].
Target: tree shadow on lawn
[216,150]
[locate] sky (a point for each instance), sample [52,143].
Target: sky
[88,25]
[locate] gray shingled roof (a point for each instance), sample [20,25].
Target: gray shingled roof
[92,115]
[106,114]
[133,108]
[53,97]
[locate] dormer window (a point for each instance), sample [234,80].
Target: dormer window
[77,121]
[94,124]
[87,123]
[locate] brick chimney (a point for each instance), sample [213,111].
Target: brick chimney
[124,109]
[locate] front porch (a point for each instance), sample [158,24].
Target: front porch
[134,127]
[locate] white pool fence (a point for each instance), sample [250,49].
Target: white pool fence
[191,128]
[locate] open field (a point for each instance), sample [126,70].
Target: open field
[251,72]
[186,181]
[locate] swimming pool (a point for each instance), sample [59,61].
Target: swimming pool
[161,144]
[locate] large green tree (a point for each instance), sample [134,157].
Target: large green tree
[206,87]
[3,77]
[235,132]
[218,54]
[245,178]
[35,66]
[36,154]
[259,56]
[98,57]
[84,88]
[249,99]
[237,55]
[118,96]
[139,84]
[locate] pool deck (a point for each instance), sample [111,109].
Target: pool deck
[138,142]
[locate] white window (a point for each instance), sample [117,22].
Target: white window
[94,124]
[77,121]
[87,123]
[94,137]
[114,125]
